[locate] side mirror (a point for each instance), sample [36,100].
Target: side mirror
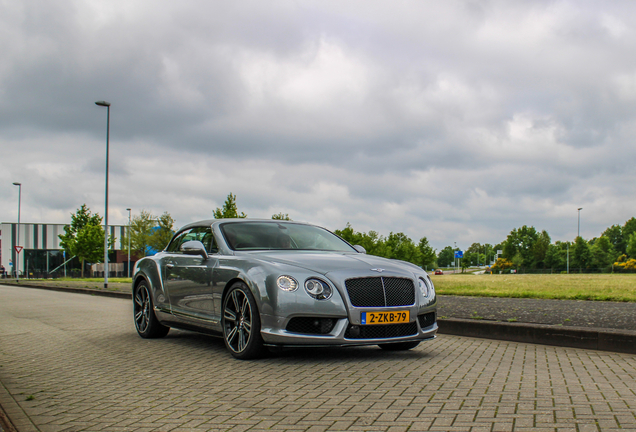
[360,249]
[194,247]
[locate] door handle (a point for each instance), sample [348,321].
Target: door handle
[169,266]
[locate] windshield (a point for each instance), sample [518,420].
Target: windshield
[281,236]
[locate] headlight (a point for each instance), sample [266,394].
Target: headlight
[318,289]
[431,287]
[287,283]
[426,286]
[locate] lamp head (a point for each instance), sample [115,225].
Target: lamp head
[128,209]
[17,184]
[102,103]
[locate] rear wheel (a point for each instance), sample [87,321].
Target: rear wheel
[399,346]
[146,322]
[242,323]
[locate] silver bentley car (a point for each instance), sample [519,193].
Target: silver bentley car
[270,283]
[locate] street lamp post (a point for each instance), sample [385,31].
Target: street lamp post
[107,105]
[455,257]
[128,241]
[17,260]
[578,229]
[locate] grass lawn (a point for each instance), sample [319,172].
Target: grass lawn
[604,287]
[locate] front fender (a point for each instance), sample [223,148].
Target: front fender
[149,269]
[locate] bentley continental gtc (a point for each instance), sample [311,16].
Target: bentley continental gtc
[263,284]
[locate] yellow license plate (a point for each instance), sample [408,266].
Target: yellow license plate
[394,317]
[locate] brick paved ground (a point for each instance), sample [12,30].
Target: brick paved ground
[80,359]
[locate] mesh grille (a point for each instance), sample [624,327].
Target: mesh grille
[426,320]
[380,292]
[384,331]
[399,292]
[311,325]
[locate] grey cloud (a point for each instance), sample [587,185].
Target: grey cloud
[474,117]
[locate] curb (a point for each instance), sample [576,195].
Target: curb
[117,294]
[622,341]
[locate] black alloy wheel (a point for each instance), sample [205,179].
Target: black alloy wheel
[242,324]
[146,322]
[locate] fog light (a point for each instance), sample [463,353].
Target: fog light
[354,331]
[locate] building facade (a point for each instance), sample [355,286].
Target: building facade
[42,255]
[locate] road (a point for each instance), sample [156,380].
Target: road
[73,362]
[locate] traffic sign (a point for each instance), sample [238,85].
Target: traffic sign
[459,254]
[18,249]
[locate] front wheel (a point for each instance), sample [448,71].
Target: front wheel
[242,323]
[146,322]
[399,346]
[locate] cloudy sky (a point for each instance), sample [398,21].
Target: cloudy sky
[454,120]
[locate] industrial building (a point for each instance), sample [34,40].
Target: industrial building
[42,256]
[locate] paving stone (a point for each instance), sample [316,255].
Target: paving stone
[81,359]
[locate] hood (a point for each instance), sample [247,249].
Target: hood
[328,262]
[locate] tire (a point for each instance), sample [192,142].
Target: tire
[242,323]
[146,322]
[399,346]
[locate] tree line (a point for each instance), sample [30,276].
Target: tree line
[524,248]
[613,250]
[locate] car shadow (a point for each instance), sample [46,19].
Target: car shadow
[308,355]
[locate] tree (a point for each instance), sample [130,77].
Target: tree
[149,233]
[602,253]
[473,255]
[619,235]
[400,246]
[539,249]
[631,246]
[427,253]
[465,264]
[628,229]
[372,242]
[141,227]
[84,237]
[229,210]
[281,216]
[446,256]
[555,257]
[615,236]
[161,235]
[581,256]
[521,241]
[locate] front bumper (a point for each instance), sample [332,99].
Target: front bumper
[345,333]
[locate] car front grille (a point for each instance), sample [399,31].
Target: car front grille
[380,291]
[426,320]
[311,325]
[383,331]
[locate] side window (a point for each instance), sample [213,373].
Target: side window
[202,234]
[208,241]
[177,241]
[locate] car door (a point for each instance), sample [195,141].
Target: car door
[189,278]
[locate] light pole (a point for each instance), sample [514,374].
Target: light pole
[578,229]
[107,105]
[455,257]
[128,241]
[17,260]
